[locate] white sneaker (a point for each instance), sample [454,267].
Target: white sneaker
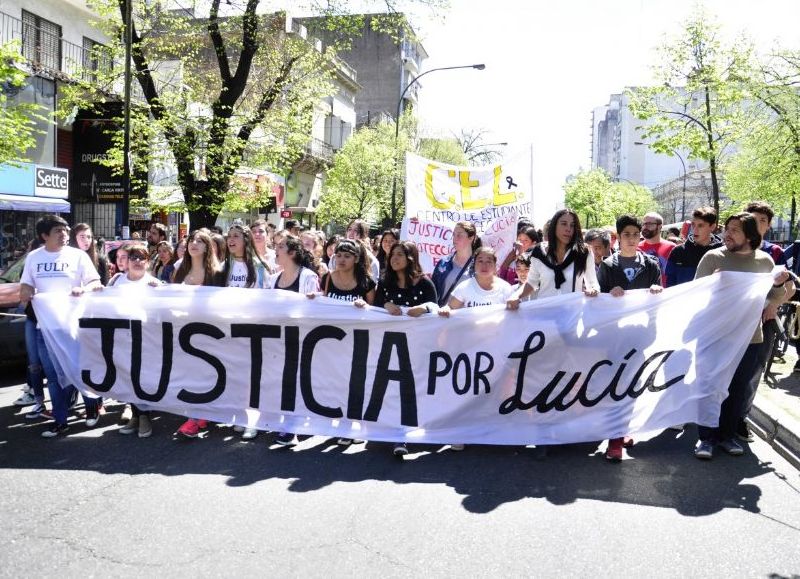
[238,428]
[456,447]
[27,399]
[677,427]
[249,433]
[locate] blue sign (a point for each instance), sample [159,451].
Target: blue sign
[17,180]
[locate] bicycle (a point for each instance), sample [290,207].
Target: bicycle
[787,330]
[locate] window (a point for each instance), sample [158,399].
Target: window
[41,41]
[336,131]
[96,57]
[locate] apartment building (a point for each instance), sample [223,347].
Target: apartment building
[58,44]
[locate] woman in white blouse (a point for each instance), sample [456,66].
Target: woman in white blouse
[566,267]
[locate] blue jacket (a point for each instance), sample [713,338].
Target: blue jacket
[440,273]
[682,262]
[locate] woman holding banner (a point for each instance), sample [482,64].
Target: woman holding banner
[199,267]
[139,276]
[455,268]
[297,275]
[568,265]
[350,281]
[404,289]
[484,289]
[243,268]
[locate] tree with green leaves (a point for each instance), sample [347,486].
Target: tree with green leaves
[598,200]
[443,150]
[698,104]
[359,184]
[233,87]
[767,166]
[17,120]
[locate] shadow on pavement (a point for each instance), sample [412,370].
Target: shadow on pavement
[662,472]
[789,383]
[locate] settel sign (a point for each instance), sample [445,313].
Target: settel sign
[51,182]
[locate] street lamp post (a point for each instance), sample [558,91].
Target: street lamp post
[683,199]
[397,127]
[126,146]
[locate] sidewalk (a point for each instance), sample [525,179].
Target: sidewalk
[776,411]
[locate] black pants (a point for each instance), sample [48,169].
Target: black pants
[741,392]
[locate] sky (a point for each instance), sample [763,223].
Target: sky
[550,63]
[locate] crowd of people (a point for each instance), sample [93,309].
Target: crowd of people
[385,272]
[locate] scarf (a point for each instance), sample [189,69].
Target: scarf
[558,269]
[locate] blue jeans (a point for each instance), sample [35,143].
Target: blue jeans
[59,397]
[35,373]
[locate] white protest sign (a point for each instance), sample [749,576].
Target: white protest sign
[445,194]
[560,370]
[435,241]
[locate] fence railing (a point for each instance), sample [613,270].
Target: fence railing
[320,150]
[54,55]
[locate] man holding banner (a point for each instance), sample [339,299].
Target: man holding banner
[57,268]
[741,239]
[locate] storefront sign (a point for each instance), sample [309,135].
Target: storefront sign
[51,182]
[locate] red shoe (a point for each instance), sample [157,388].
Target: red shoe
[202,424]
[627,441]
[614,450]
[189,429]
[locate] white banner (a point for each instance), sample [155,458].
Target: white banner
[435,241]
[445,194]
[559,370]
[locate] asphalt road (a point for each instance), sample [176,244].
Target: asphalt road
[100,504]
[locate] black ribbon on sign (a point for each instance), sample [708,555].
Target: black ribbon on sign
[510,182]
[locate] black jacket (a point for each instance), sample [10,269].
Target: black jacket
[611,275]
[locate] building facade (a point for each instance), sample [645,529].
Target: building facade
[58,44]
[385,66]
[618,148]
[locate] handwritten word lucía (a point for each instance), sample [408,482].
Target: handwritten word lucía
[559,396]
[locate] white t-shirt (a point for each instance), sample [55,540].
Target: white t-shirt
[123,279]
[238,274]
[471,294]
[58,271]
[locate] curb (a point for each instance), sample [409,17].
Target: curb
[784,441]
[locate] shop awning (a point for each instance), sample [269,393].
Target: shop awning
[27,203]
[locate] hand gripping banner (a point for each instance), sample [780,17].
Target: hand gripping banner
[559,370]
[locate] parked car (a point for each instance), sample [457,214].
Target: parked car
[12,317]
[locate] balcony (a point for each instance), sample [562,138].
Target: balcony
[51,55]
[410,55]
[320,150]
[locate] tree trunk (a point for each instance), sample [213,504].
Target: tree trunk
[712,162]
[203,217]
